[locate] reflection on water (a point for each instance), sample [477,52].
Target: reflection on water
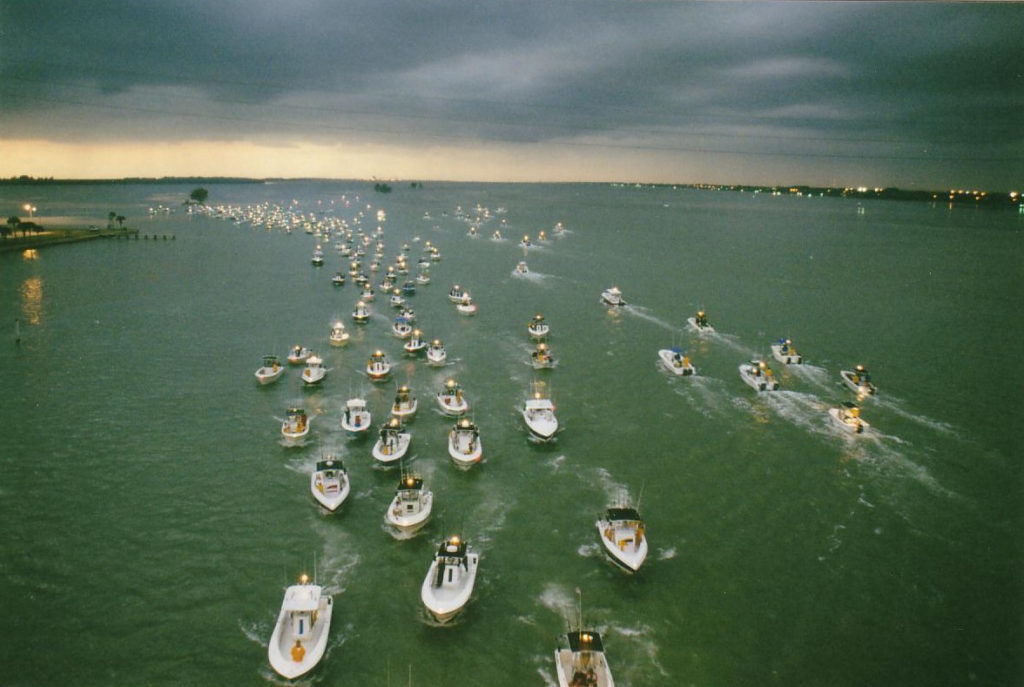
[32,299]
[29,254]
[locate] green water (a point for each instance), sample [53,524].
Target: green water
[151,518]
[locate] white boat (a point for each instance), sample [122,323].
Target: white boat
[318,256]
[541,358]
[410,508]
[339,335]
[496,236]
[622,533]
[401,328]
[466,306]
[271,370]
[408,313]
[415,344]
[298,355]
[581,662]
[392,442]
[859,380]
[525,243]
[361,314]
[356,418]
[700,322]
[451,399]
[338,279]
[848,417]
[397,300]
[676,361]
[295,426]
[378,367]
[759,376]
[436,353]
[329,483]
[449,581]
[537,327]
[366,295]
[612,296]
[539,414]
[314,372]
[456,294]
[521,267]
[300,634]
[785,353]
[405,404]
[464,445]
[423,278]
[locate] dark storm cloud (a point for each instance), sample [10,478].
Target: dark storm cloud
[875,80]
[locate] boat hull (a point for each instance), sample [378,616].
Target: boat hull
[391,454]
[789,358]
[465,452]
[672,365]
[282,640]
[409,522]
[564,663]
[853,426]
[444,603]
[706,329]
[757,382]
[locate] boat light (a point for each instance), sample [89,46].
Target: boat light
[303,578]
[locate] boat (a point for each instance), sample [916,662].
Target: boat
[464,445]
[356,417]
[314,371]
[408,313]
[466,306]
[700,322]
[847,416]
[423,278]
[676,361]
[451,399]
[361,314]
[366,295]
[415,344]
[542,358]
[612,296]
[393,441]
[378,367]
[318,256]
[409,288]
[300,634]
[449,581]
[622,533]
[339,336]
[456,294]
[329,483]
[539,414]
[271,370]
[401,328]
[581,661]
[397,299]
[759,376]
[859,380]
[537,327]
[496,236]
[436,354]
[410,508]
[295,426]
[298,355]
[525,243]
[521,267]
[405,404]
[338,279]
[785,353]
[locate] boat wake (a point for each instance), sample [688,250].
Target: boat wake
[667,554]
[645,314]
[706,394]
[590,550]
[643,638]
[896,406]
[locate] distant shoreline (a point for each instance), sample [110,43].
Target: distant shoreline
[58,236]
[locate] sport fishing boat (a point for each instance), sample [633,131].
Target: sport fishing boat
[408,313]
[541,358]
[401,328]
[298,355]
[464,445]
[451,399]
[436,354]
[393,442]
[338,279]
[295,427]
[378,367]
[785,353]
[356,418]
[612,296]
[859,380]
[622,533]
[423,278]
[300,634]
[339,335]
[521,267]
[410,508]
[329,483]
[314,372]
[700,322]
[405,404]
[415,344]
[397,299]
[456,294]
[366,294]
[525,243]
[271,370]
[759,376]
[539,414]
[318,256]
[537,327]
[676,361]
[466,306]
[847,416]
[581,662]
[361,314]
[449,582]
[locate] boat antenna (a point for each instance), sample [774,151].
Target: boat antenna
[639,498]
[579,596]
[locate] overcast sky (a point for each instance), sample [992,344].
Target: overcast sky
[917,95]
